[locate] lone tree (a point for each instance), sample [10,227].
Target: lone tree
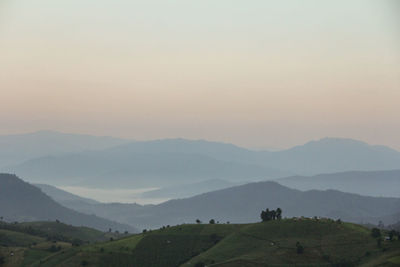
[269,215]
[198,221]
[212,221]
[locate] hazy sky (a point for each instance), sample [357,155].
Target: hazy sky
[256,73]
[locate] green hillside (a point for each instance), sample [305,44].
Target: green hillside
[273,243]
[67,232]
[17,239]
[27,244]
[54,231]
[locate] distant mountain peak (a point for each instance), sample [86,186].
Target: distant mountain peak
[337,140]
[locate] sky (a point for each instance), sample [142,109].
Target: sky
[260,73]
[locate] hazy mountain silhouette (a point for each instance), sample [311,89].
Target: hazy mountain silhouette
[175,161]
[242,204]
[21,201]
[120,212]
[17,148]
[372,183]
[64,197]
[330,155]
[120,168]
[188,190]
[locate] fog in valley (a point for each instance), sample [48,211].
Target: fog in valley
[165,133]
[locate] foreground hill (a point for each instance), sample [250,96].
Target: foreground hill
[20,201]
[15,149]
[170,162]
[22,244]
[372,183]
[324,243]
[51,231]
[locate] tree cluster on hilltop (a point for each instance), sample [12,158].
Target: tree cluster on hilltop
[269,215]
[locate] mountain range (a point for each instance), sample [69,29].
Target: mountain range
[243,203]
[17,148]
[23,202]
[188,190]
[370,183]
[170,162]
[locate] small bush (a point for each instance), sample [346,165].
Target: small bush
[326,257]
[53,248]
[299,248]
[77,242]
[379,242]
[375,232]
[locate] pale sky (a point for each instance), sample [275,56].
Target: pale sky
[265,74]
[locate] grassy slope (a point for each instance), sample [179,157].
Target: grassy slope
[72,232]
[271,243]
[30,243]
[16,239]
[275,243]
[168,247]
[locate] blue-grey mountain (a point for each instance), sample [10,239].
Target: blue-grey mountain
[17,148]
[170,162]
[23,202]
[371,183]
[242,204]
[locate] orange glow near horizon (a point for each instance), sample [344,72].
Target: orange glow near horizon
[266,75]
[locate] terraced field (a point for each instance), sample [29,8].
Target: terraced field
[274,243]
[30,244]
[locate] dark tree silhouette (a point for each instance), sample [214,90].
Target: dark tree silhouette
[279,213]
[273,214]
[269,215]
